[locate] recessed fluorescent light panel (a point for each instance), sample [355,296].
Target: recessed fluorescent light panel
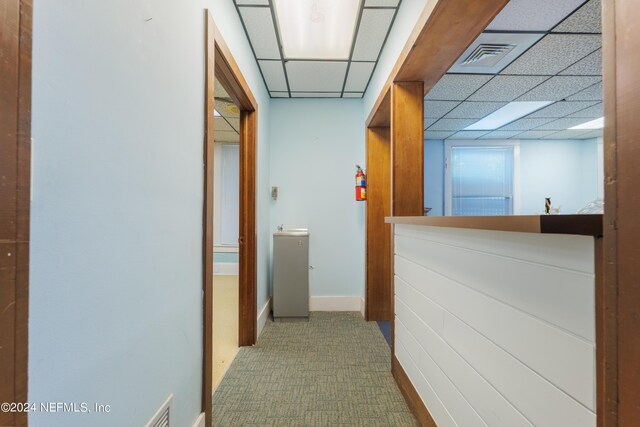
[593,124]
[316,29]
[507,114]
[215,113]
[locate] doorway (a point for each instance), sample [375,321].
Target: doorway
[231,91]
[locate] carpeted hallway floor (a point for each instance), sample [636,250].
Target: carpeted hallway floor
[331,371]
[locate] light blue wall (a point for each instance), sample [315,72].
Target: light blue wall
[116,219]
[567,171]
[434,176]
[226,257]
[408,14]
[315,145]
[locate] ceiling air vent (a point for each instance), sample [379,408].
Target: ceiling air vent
[487,55]
[162,417]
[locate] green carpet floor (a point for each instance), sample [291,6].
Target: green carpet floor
[331,371]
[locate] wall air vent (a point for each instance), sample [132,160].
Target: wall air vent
[163,416]
[488,54]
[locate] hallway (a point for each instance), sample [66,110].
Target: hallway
[333,370]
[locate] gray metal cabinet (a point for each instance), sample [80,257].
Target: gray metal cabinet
[291,273]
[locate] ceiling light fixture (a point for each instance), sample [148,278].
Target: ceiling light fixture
[592,124]
[215,113]
[507,114]
[316,29]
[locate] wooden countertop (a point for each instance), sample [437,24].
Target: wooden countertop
[585,225]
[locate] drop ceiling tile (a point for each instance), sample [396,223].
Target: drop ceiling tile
[316,76]
[554,53]
[587,19]
[315,94]
[525,15]
[592,93]
[469,134]
[437,109]
[451,124]
[566,134]
[428,123]
[352,94]
[434,134]
[535,134]
[218,90]
[225,136]
[358,78]
[560,109]
[592,112]
[474,110]
[252,2]
[457,87]
[381,3]
[592,134]
[591,65]
[563,124]
[558,88]
[506,88]
[227,108]
[525,124]
[261,31]
[279,94]
[501,134]
[273,73]
[372,32]
[220,123]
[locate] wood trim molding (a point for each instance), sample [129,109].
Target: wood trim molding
[415,403]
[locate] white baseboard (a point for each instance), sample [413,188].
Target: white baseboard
[263,316]
[338,303]
[199,421]
[225,269]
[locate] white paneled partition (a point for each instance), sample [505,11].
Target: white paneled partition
[497,328]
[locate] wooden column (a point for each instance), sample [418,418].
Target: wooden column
[407,148]
[378,297]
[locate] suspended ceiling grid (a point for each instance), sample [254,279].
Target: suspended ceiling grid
[314,78]
[226,127]
[562,63]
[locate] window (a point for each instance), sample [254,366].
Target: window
[226,194]
[481,179]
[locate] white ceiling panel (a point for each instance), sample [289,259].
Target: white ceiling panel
[279,94]
[359,73]
[506,88]
[591,65]
[434,134]
[533,15]
[371,34]
[315,95]
[261,31]
[220,123]
[592,134]
[525,124]
[592,93]
[234,122]
[352,95]
[474,110]
[501,134]
[428,122]
[587,19]
[559,87]
[554,53]
[561,109]
[381,3]
[563,124]
[469,134]
[218,90]
[566,134]
[273,75]
[437,109]
[451,124]
[534,134]
[592,112]
[225,136]
[252,2]
[457,87]
[316,76]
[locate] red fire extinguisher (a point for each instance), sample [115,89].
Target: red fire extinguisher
[361,185]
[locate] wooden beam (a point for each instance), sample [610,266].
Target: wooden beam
[407,149]
[378,291]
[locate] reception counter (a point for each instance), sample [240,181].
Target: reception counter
[495,318]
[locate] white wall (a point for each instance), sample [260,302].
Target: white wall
[567,171]
[116,220]
[315,145]
[497,328]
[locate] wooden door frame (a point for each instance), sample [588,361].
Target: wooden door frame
[220,64]
[15,163]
